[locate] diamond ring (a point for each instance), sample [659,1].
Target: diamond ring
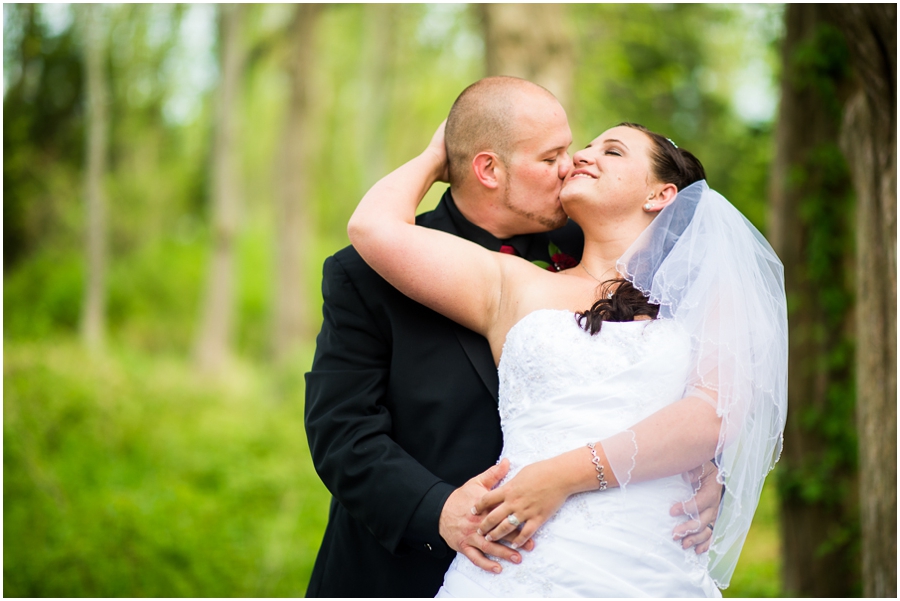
[512,519]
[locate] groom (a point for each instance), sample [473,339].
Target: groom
[401,402]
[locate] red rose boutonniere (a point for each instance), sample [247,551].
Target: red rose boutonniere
[560,261]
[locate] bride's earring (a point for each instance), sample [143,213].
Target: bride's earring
[649,206]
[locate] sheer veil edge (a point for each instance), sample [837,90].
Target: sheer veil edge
[713,273]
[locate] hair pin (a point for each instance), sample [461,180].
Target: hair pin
[672,143]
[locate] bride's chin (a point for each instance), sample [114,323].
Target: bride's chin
[571,199]
[573,190]
[577,208]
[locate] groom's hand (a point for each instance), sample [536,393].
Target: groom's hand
[458,525]
[698,532]
[438,148]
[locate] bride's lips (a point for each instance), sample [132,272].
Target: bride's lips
[582,172]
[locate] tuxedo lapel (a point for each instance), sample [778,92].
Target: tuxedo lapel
[479,353]
[447,218]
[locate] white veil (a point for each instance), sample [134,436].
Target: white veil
[712,272]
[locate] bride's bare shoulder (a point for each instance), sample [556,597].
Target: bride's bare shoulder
[527,288]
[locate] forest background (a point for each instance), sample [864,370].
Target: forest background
[175,175]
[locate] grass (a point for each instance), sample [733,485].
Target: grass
[758,570]
[131,475]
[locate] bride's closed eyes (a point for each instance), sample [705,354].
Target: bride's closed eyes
[612,147]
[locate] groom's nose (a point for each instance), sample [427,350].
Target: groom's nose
[565,165]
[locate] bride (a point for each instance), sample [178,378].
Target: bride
[666,346]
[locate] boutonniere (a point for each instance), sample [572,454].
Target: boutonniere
[560,261]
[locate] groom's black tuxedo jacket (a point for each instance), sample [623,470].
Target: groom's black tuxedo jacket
[401,408]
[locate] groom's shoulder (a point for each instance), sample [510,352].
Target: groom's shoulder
[347,264]
[349,261]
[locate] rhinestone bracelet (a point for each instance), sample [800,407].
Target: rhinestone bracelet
[596,462]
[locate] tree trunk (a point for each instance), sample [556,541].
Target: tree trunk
[376,78]
[93,318]
[810,206]
[869,140]
[531,41]
[217,317]
[293,232]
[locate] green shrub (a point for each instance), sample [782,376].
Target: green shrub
[133,477]
[43,296]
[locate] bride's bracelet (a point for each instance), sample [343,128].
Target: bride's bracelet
[596,461]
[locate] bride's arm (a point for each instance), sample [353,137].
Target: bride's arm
[674,440]
[455,277]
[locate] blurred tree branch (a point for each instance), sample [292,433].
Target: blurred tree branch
[293,231]
[93,320]
[213,343]
[531,41]
[377,73]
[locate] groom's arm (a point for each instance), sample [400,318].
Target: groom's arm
[348,425]
[405,506]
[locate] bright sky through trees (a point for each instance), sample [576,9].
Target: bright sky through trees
[750,83]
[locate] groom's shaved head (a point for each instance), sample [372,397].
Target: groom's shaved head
[484,118]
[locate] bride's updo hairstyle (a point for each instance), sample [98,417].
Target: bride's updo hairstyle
[671,165]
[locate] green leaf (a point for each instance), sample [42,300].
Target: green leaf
[553,249]
[542,264]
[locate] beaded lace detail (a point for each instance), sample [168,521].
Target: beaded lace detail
[561,388]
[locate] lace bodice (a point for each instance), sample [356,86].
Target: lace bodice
[561,387]
[559,384]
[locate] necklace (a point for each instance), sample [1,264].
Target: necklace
[609,293]
[592,275]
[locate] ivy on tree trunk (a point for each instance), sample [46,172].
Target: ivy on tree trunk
[811,229]
[869,140]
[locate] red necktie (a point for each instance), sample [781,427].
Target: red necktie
[506,249]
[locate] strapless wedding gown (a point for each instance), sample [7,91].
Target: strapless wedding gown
[561,388]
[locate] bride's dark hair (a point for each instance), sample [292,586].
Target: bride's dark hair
[624,304]
[670,165]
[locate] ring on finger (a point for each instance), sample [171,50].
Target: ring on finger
[710,526]
[512,519]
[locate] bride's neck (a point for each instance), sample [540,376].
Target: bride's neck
[605,242]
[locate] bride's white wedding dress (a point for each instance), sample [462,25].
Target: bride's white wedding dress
[561,388]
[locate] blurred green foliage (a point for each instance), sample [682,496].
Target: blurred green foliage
[135,477]
[681,83]
[758,570]
[680,69]
[128,474]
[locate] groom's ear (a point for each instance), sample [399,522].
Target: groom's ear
[487,168]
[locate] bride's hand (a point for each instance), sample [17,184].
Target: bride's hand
[537,492]
[533,496]
[437,148]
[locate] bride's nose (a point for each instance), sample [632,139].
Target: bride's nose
[581,157]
